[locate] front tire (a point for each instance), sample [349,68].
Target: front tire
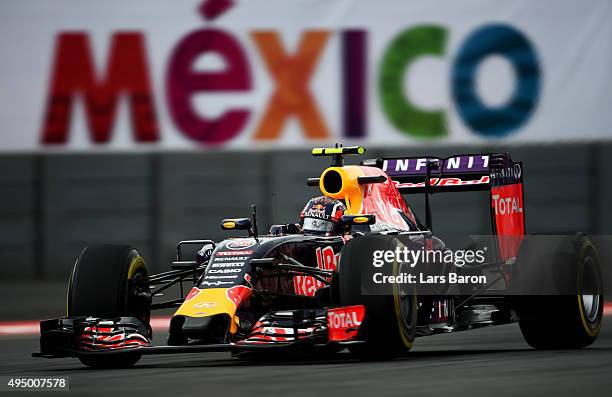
[389,325]
[107,282]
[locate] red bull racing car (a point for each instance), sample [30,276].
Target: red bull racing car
[300,287]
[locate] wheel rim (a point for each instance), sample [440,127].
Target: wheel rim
[136,299]
[405,301]
[590,292]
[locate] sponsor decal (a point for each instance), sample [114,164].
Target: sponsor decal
[215,283]
[326,260]
[213,277]
[451,181]
[231,253]
[205,305]
[216,300]
[240,244]
[213,271]
[418,166]
[507,204]
[231,258]
[508,175]
[516,169]
[228,264]
[320,214]
[220,270]
[343,322]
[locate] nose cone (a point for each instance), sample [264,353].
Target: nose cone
[208,315]
[203,330]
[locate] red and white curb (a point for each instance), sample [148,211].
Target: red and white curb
[32,327]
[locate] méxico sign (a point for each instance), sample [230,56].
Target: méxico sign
[221,73]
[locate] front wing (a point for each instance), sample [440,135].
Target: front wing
[282,330]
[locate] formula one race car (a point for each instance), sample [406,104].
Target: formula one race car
[296,290]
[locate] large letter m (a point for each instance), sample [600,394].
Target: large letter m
[74,74]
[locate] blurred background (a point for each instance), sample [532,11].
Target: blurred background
[54,205]
[147,122]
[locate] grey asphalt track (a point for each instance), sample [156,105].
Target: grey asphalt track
[484,362]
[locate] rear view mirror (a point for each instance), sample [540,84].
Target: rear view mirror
[236,224]
[355,220]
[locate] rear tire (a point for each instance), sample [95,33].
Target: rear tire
[389,325]
[564,321]
[105,283]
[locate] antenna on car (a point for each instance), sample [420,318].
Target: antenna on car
[273,207]
[254,216]
[338,152]
[337,159]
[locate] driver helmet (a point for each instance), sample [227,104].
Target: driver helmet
[321,216]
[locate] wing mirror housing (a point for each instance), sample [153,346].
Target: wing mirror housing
[357,220]
[236,224]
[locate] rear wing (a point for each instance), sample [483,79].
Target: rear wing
[458,173]
[493,172]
